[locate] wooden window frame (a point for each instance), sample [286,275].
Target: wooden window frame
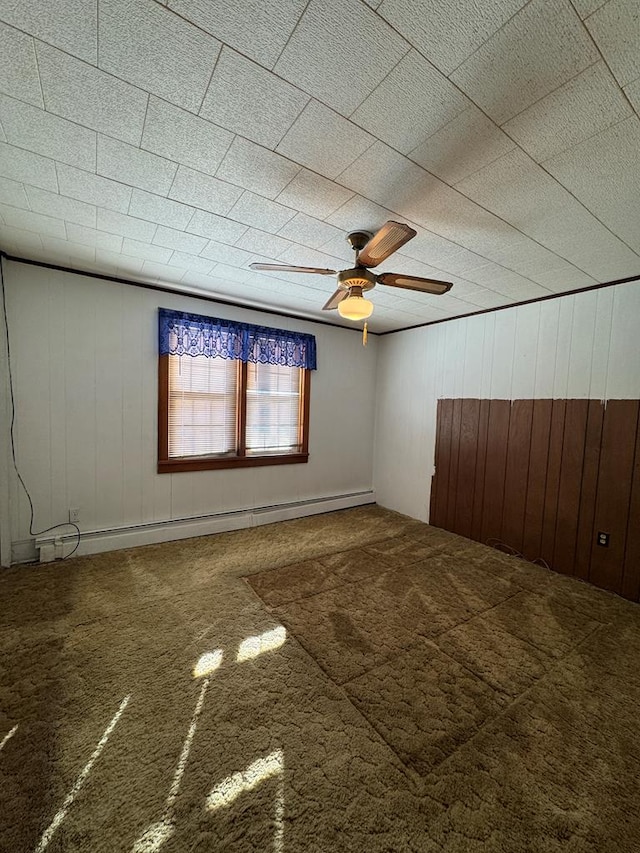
[171,465]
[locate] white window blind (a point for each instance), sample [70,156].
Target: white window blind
[203,405]
[274,396]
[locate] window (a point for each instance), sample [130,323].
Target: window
[221,407]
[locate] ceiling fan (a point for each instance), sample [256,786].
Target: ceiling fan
[370,251]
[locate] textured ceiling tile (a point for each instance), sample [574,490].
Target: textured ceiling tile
[521,192]
[518,253]
[122,264]
[215,227]
[248,100]
[91,237]
[467,143]
[406,319]
[539,49]
[125,266]
[259,212]
[309,231]
[12,193]
[306,257]
[147,45]
[18,69]
[360,214]
[18,241]
[44,225]
[172,239]
[221,253]
[632,91]
[162,272]
[489,299]
[68,24]
[141,169]
[565,278]
[491,275]
[93,189]
[90,97]
[181,136]
[338,247]
[518,293]
[514,187]
[191,278]
[394,114]
[161,210]
[490,261]
[615,26]
[126,226]
[186,261]
[584,106]
[203,191]
[587,7]
[324,141]
[399,262]
[604,173]
[263,244]
[60,207]
[464,289]
[448,32]
[227,272]
[141,249]
[389,178]
[339,52]
[460,220]
[38,131]
[73,251]
[271,23]
[255,168]
[441,253]
[314,195]
[602,255]
[292,283]
[451,304]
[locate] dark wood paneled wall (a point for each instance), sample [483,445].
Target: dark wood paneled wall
[544,477]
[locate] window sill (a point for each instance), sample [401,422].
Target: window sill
[172,466]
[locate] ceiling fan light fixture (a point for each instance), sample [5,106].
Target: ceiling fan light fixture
[355,306]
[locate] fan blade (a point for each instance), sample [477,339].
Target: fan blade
[384,243]
[287,268]
[413,282]
[338,296]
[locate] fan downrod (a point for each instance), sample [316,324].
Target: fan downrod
[358,240]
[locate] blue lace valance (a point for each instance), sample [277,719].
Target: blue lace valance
[192,334]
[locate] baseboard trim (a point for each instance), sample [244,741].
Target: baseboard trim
[99,541]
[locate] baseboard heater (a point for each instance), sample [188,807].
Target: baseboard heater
[50,547]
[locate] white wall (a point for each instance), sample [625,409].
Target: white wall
[5,456]
[84,360]
[582,346]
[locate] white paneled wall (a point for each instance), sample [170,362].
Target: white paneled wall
[84,360]
[582,346]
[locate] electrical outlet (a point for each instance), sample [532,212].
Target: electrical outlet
[603,539]
[74,515]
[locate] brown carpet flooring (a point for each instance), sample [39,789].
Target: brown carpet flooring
[349,682]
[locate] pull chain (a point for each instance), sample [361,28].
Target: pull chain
[364,335]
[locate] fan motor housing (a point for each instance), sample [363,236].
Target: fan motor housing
[358,276]
[358,239]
